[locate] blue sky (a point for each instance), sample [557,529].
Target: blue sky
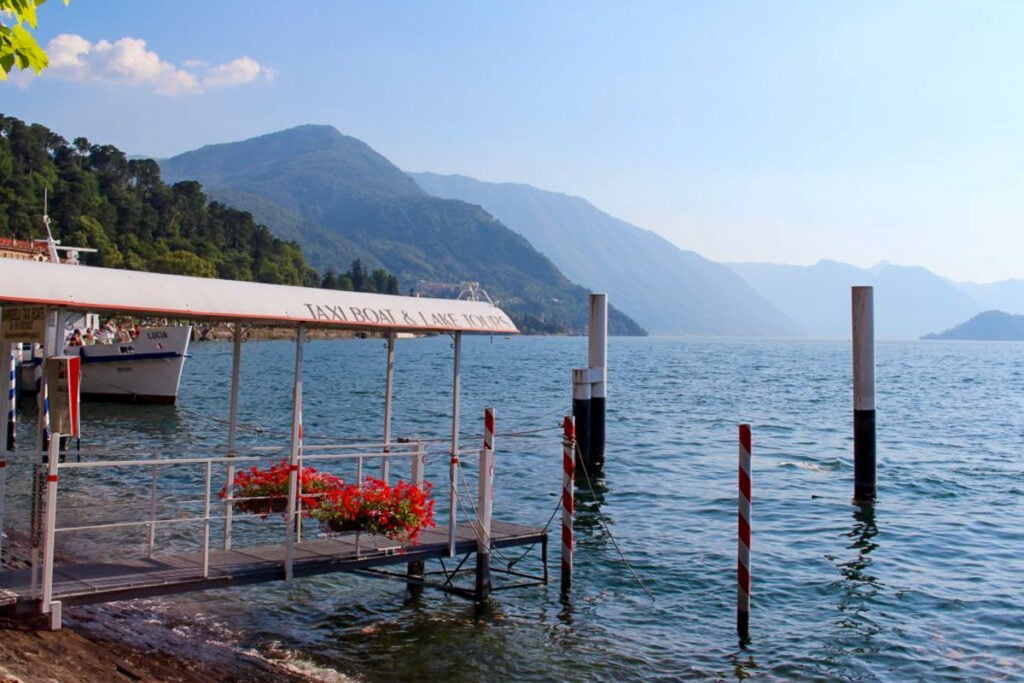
[745,131]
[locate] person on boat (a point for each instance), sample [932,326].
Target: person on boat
[106,335]
[76,338]
[89,338]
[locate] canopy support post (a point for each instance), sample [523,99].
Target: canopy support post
[236,362]
[295,455]
[388,385]
[452,473]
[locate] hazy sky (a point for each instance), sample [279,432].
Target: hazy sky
[749,131]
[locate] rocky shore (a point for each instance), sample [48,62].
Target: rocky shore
[126,641]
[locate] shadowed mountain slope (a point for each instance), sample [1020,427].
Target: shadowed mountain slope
[666,289]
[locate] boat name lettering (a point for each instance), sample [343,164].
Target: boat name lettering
[156,334]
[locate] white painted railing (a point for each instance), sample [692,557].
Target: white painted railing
[166,488]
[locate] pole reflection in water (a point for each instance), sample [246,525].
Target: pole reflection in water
[860,585]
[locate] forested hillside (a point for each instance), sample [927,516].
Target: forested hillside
[101,199]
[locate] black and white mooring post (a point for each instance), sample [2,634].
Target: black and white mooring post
[864,452]
[589,389]
[597,360]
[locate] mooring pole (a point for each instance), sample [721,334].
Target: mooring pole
[581,409]
[568,504]
[415,571]
[236,363]
[10,431]
[743,536]
[454,462]
[485,506]
[3,488]
[597,361]
[864,450]
[293,456]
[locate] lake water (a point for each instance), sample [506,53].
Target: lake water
[927,584]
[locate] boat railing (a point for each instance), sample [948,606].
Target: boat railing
[149,502]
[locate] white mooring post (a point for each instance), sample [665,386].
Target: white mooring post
[415,570]
[568,502]
[864,450]
[293,458]
[485,506]
[597,361]
[743,535]
[589,389]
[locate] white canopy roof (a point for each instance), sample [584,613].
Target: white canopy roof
[106,290]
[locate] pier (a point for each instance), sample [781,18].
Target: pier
[184,527]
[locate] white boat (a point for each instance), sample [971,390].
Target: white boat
[145,369]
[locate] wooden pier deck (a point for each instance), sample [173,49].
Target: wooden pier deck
[81,583]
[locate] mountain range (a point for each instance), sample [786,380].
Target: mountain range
[666,289]
[990,326]
[341,200]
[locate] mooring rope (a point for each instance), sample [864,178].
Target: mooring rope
[604,525]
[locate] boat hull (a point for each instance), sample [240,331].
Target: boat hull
[145,370]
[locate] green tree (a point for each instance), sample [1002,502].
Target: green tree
[17,45]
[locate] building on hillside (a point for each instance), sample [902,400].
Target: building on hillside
[28,250]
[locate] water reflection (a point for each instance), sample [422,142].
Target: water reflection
[861,585]
[588,520]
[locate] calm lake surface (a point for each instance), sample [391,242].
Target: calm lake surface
[928,584]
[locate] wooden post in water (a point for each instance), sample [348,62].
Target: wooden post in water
[864,450]
[568,503]
[485,505]
[743,536]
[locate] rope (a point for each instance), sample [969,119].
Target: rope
[604,525]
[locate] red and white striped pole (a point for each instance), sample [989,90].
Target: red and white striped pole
[3,487]
[485,505]
[743,545]
[568,506]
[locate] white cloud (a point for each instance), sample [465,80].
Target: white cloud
[127,61]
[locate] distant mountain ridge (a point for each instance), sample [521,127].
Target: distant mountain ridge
[987,326]
[342,200]
[909,301]
[666,289]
